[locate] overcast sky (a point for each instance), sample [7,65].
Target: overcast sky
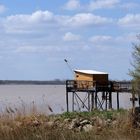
[37,35]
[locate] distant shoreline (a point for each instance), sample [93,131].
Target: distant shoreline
[31,82]
[37,82]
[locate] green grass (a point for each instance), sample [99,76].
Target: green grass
[103,114]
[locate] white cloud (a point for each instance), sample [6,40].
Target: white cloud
[103,4]
[42,21]
[100,38]
[33,48]
[41,16]
[104,40]
[2,8]
[130,20]
[72,5]
[86,19]
[127,38]
[26,49]
[23,23]
[33,18]
[92,5]
[71,37]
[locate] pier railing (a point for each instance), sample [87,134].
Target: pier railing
[113,86]
[80,85]
[122,86]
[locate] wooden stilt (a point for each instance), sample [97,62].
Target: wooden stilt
[96,100]
[89,107]
[118,104]
[67,98]
[73,101]
[92,100]
[67,101]
[106,100]
[110,100]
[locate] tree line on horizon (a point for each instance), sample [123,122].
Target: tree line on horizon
[34,82]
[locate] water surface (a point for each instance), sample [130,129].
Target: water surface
[44,97]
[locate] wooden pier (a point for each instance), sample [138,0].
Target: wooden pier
[97,95]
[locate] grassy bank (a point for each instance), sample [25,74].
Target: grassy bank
[94,125]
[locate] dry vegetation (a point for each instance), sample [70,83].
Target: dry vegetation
[94,125]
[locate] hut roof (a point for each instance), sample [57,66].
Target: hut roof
[90,72]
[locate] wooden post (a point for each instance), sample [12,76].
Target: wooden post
[89,107]
[67,101]
[73,101]
[92,100]
[96,99]
[110,100]
[110,95]
[118,104]
[106,94]
[67,98]
[96,95]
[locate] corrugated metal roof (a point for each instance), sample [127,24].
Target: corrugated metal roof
[90,72]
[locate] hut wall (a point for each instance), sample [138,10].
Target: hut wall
[84,80]
[83,76]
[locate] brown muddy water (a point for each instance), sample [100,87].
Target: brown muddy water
[42,97]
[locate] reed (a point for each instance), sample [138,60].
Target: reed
[18,125]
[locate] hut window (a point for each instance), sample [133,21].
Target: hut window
[77,75]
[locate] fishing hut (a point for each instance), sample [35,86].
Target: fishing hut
[96,91]
[92,89]
[91,83]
